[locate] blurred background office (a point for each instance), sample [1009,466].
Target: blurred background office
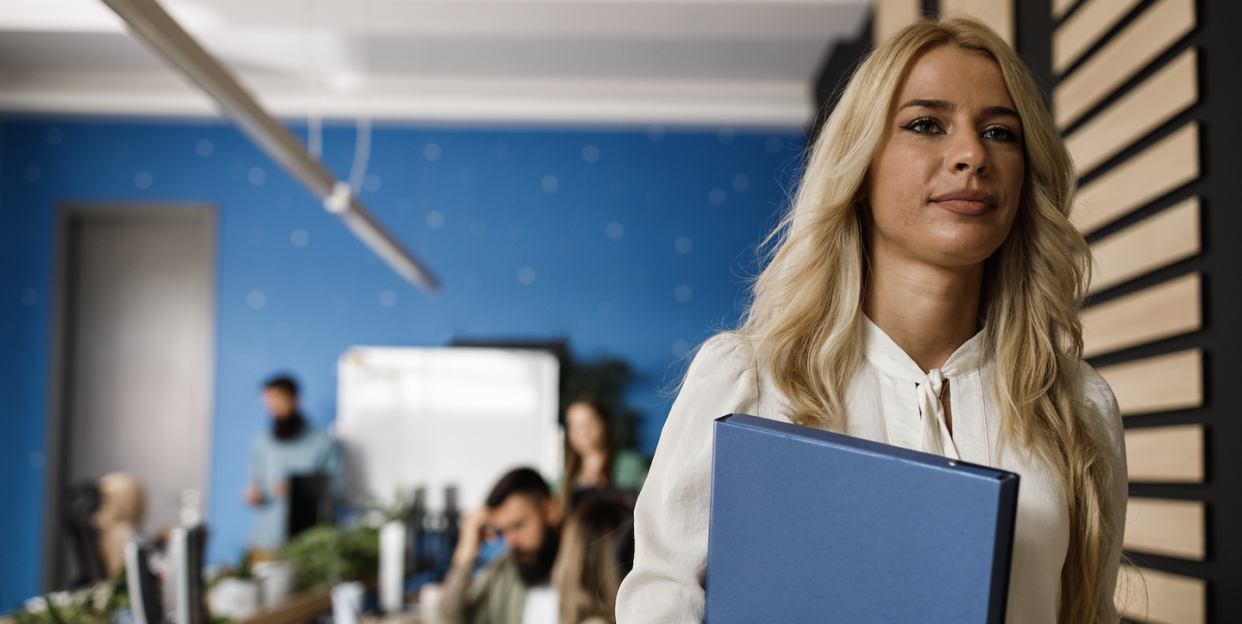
[589,181]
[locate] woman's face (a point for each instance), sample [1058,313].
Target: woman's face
[585,428]
[945,183]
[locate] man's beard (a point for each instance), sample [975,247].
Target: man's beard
[538,571]
[289,427]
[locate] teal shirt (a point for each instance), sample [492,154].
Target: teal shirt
[629,470]
[273,461]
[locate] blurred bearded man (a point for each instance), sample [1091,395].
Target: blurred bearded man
[516,588]
[291,447]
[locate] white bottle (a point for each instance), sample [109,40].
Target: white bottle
[392,566]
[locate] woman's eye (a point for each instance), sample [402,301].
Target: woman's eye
[923,126]
[1004,135]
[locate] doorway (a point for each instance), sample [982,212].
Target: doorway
[136,361]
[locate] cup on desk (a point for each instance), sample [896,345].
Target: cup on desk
[347,602]
[275,581]
[235,599]
[428,599]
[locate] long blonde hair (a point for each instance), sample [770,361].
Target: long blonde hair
[806,316]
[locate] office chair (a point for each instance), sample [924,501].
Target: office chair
[78,505]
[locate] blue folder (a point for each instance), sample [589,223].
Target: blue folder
[811,526]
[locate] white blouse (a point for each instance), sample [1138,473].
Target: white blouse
[883,403]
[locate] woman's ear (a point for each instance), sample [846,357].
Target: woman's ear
[861,205]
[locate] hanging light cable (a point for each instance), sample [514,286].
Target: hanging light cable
[314,116]
[362,154]
[362,140]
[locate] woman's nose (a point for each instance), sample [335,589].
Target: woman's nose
[967,153]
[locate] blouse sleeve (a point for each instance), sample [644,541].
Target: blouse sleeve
[1100,396]
[667,583]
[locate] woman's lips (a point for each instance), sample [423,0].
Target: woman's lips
[966,201]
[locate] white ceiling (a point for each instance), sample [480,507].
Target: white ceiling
[738,62]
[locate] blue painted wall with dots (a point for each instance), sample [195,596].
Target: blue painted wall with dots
[629,242]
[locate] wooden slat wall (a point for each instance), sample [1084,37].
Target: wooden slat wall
[1160,98]
[995,13]
[1165,454]
[1164,166]
[1168,236]
[1095,58]
[1159,27]
[1173,528]
[1158,597]
[1084,28]
[1157,384]
[1161,311]
[892,15]
[1059,7]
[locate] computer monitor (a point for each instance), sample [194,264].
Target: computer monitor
[145,598]
[186,548]
[310,502]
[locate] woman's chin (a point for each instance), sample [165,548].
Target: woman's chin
[957,254]
[965,244]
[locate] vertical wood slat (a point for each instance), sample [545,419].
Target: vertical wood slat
[893,15]
[1165,454]
[1165,310]
[1147,595]
[1148,36]
[1168,236]
[1173,528]
[1084,28]
[1157,384]
[1164,166]
[1158,99]
[998,14]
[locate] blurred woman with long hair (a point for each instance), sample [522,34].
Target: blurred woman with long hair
[592,459]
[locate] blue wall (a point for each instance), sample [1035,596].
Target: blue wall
[637,242]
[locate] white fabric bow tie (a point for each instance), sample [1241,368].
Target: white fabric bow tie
[933,436]
[936,437]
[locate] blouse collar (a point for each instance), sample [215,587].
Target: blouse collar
[890,358]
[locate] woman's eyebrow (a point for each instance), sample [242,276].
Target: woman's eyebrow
[1001,110]
[936,104]
[946,105]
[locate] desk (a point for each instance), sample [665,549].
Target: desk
[295,610]
[302,607]
[402,618]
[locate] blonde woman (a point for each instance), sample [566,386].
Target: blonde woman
[122,503]
[923,291]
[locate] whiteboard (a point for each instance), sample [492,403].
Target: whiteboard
[434,417]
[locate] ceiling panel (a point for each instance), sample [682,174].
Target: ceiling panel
[409,59]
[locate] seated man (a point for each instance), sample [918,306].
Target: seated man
[516,588]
